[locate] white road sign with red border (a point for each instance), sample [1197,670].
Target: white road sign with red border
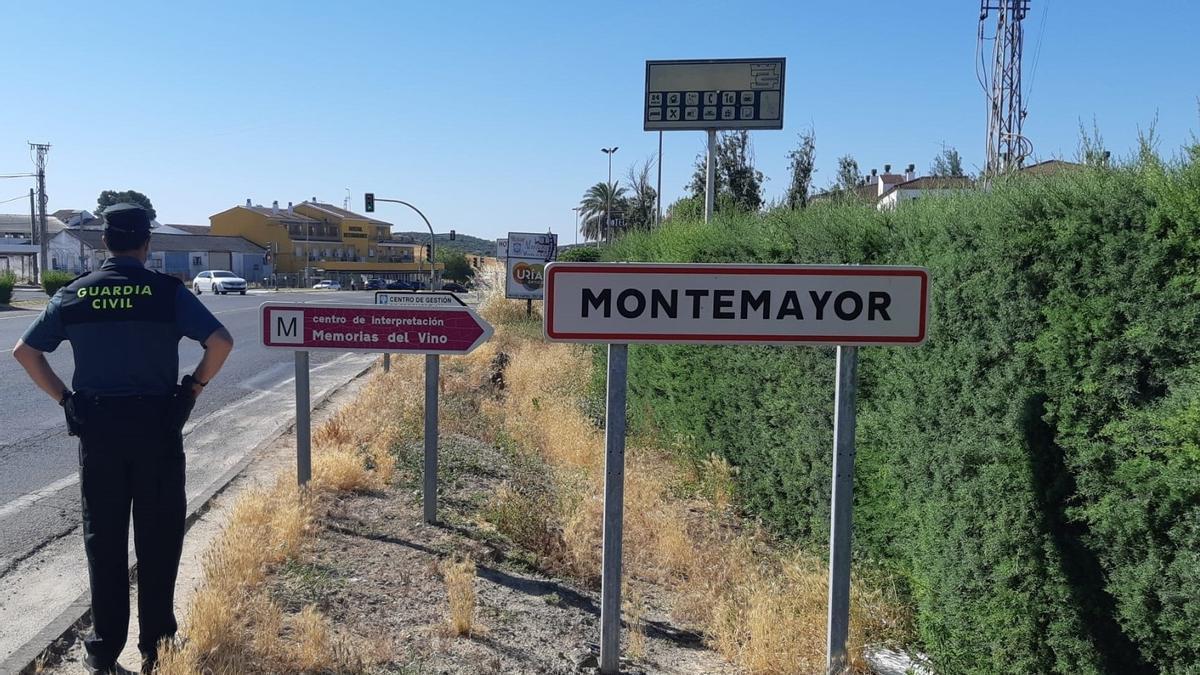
[443,329]
[852,305]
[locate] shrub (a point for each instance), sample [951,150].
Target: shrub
[1031,471]
[52,280]
[580,254]
[7,281]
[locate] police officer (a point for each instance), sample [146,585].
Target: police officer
[124,323]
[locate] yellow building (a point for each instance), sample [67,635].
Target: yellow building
[316,240]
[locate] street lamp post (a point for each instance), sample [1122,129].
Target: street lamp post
[576,210]
[608,206]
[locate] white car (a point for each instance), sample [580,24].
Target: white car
[218,282]
[327,285]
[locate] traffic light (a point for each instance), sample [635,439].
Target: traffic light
[370,197]
[427,255]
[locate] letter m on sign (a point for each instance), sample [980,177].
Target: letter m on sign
[286,327]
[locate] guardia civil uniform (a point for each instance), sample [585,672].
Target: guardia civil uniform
[124,323]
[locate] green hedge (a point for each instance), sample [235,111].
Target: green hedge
[1033,471]
[8,280]
[52,280]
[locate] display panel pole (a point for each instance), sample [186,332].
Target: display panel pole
[841,502]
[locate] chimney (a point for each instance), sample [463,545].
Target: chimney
[887,168]
[248,202]
[290,208]
[275,207]
[910,172]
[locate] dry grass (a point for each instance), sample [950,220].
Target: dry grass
[460,590]
[758,605]
[635,612]
[231,625]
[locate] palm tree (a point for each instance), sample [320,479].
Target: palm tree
[595,203]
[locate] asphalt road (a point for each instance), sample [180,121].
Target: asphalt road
[39,493]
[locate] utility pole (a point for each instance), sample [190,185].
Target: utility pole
[1007,148]
[40,150]
[34,238]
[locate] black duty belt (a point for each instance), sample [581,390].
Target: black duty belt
[126,401]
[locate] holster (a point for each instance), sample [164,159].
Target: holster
[75,410]
[182,403]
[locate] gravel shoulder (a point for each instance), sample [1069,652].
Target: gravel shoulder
[374,570]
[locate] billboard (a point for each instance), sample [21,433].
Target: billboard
[714,94]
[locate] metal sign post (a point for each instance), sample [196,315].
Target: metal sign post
[841,504]
[847,306]
[614,508]
[429,481]
[412,323]
[303,421]
[710,176]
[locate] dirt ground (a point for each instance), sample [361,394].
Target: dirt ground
[374,570]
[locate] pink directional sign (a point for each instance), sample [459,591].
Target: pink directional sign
[449,329]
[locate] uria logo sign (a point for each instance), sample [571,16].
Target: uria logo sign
[528,275]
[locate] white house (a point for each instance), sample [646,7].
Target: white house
[910,190]
[180,255]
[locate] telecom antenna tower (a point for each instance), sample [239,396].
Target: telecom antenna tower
[1007,148]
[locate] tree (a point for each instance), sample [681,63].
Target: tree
[735,161]
[457,267]
[690,207]
[594,205]
[642,203]
[110,197]
[803,160]
[736,180]
[699,177]
[948,163]
[848,176]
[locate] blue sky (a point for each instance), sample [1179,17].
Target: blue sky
[490,116]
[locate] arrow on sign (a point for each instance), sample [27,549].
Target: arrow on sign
[432,329]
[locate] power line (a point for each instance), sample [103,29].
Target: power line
[20,196]
[17,175]
[1037,50]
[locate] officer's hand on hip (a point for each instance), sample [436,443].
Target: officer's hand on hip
[192,385]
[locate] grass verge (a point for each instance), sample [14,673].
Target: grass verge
[758,602]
